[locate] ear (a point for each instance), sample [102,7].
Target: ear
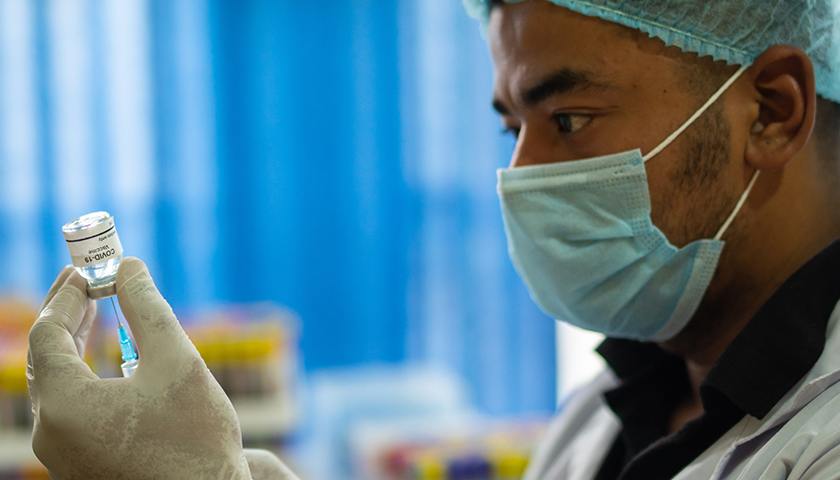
[783,87]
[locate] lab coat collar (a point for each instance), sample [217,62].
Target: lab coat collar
[784,339]
[776,365]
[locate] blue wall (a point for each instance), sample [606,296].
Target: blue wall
[311,208]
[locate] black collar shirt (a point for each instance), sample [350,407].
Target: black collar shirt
[776,349]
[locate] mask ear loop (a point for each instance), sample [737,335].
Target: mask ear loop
[740,204]
[697,114]
[688,123]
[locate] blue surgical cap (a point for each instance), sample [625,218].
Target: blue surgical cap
[735,31]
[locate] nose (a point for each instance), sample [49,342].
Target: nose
[527,150]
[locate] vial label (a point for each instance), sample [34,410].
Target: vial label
[94,245]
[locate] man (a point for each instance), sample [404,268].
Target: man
[635,161]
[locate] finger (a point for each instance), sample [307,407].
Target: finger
[59,281]
[80,336]
[30,384]
[162,345]
[264,465]
[53,354]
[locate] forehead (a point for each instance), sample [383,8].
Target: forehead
[533,38]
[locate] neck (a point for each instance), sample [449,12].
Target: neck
[719,319]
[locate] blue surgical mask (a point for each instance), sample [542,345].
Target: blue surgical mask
[580,235]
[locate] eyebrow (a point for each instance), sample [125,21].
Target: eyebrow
[558,82]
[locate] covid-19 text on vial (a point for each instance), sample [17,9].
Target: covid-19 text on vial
[101,256]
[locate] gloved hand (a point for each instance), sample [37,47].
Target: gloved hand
[264,465]
[170,419]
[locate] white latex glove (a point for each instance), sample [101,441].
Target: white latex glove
[170,419]
[264,465]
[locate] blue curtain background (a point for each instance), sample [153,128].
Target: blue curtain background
[335,157]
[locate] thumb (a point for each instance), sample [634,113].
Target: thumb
[163,347]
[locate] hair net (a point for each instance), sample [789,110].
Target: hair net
[736,31]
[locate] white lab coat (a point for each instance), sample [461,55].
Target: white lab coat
[799,439]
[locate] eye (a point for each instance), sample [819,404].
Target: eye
[570,122]
[512,131]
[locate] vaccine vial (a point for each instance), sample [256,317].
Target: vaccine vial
[96,251]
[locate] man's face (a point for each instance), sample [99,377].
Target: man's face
[573,87]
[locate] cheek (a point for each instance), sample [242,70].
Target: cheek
[692,190]
[663,205]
